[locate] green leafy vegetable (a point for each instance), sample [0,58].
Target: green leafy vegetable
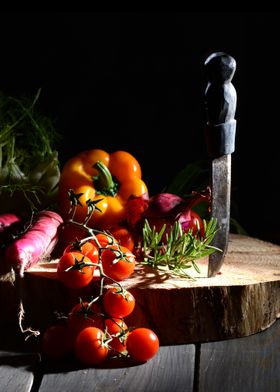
[29,166]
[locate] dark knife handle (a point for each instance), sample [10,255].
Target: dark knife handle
[220,104]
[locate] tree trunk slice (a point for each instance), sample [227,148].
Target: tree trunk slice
[241,300]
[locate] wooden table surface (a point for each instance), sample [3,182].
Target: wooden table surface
[247,364]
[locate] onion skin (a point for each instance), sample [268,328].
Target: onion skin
[163,204]
[166,208]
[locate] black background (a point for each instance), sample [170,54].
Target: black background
[134,81]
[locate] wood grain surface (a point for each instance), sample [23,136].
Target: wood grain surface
[172,369]
[246,364]
[250,364]
[18,362]
[242,300]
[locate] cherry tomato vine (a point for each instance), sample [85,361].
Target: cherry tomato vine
[95,329]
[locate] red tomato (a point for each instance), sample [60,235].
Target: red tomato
[90,347]
[55,342]
[118,262]
[88,249]
[81,316]
[104,240]
[142,344]
[123,236]
[118,303]
[72,273]
[117,328]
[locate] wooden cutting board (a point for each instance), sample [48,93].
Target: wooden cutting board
[240,301]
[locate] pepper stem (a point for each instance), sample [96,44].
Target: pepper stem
[103,182]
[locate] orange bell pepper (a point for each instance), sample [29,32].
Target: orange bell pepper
[96,175]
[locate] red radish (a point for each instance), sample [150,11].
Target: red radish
[7,220]
[10,227]
[37,242]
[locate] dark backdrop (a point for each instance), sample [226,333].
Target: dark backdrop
[134,81]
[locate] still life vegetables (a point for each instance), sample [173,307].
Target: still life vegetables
[118,262]
[163,230]
[29,165]
[10,225]
[95,328]
[118,302]
[82,315]
[142,344]
[165,209]
[97,175]
[176,251]
[7,220]
[90,346]
[37,242]
[102,198]
[55,342]
[124,236]
[75,270]
[169,233]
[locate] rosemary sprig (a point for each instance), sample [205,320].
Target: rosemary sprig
[177,250]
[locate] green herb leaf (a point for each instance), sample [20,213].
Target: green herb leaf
[180,250]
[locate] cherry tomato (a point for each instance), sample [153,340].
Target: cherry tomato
[142,344]
[118,262]
[117,328]
[123,236]
[118,303]
[72,273]
[81,316]
[104,240]
[55,343]
[90,347]
[88,249]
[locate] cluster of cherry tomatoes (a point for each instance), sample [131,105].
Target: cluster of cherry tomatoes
[96,329]
[76,267]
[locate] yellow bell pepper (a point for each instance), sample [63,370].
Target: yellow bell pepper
[96,174]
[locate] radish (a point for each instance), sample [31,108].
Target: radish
[37,242]
[10,227]
[7,220]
